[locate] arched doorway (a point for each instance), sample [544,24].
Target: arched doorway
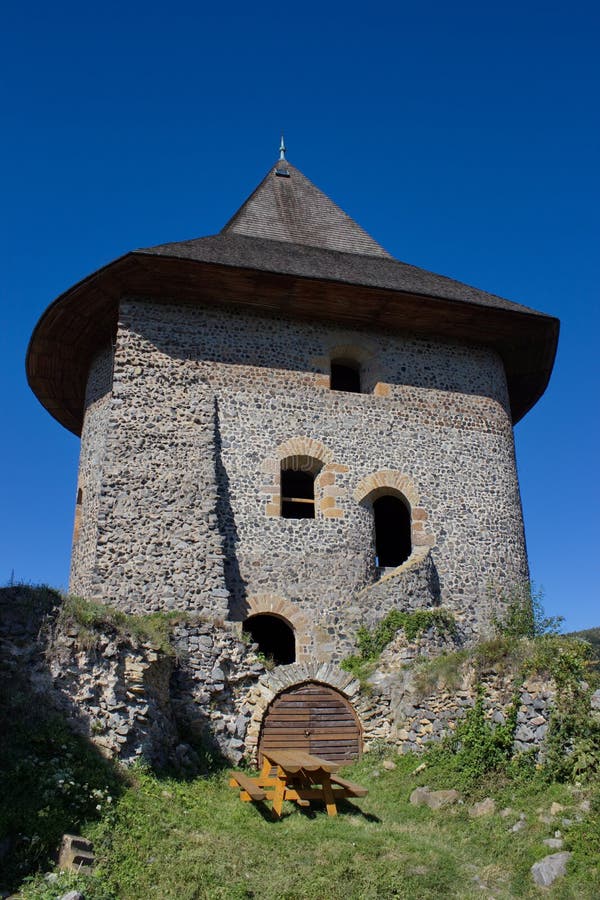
[275,638]
[314,718]
[392,531]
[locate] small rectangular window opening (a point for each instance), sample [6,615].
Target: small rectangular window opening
[345,376]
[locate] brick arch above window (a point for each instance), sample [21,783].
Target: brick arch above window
[304,446]
[384,481]
[294,615]
[312,456]
[391,481]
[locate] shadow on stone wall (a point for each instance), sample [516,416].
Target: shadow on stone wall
[234,582]
[52,779]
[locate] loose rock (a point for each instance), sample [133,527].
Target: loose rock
[424,796]
[547,870]
[483,808]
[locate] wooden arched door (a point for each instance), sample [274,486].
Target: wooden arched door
[314,718]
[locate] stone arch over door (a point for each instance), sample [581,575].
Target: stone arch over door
[315,718]
[293,614]
[271,684]
[391,482]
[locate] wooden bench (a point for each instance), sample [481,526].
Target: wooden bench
[352,789]
[249,789]
[296,776]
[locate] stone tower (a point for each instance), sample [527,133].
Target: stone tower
[284,426]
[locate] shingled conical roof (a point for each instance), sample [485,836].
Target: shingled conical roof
[286,206]
[288,251]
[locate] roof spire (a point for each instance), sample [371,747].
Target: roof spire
[281,167]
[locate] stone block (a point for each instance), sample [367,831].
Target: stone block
[76,853]
[484,808]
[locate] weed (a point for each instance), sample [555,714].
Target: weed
[523,614]
[92,620]
[371,643]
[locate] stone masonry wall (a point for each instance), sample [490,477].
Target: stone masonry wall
[131,700]
[91,464]
[204,404]
[158,544]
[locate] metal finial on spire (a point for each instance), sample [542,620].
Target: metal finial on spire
[281,167]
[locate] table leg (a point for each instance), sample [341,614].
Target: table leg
[265,772]
[279,793]
[328,794]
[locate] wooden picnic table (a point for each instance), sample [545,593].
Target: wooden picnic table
[298,776]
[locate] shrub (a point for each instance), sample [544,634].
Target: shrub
[477,746]
[524,614]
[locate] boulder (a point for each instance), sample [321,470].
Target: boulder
[547,870]
[483,808]
[424,796]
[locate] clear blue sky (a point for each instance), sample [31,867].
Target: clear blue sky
[464,137]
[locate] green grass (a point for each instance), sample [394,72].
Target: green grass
[159,837]
[189,840]
[93,620]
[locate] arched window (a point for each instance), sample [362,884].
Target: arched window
[392,531]
[345,376]
[275,638]
[298,475]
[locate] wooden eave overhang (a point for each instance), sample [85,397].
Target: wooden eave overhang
[84,319]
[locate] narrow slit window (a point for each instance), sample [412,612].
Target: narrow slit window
[345,376]
[297,494]
[77,525]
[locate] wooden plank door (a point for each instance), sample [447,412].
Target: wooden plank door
[313,718]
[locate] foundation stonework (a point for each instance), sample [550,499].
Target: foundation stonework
[203,369]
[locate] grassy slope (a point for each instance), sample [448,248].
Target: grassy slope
[162,838]
[185,841]
[592,636]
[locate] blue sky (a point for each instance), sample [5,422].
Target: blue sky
[464,137]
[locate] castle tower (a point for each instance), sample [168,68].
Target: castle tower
[283,425]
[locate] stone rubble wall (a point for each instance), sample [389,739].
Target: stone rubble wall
[132,701]
[120,692]
[419,716]
[419,720]
[413,585]
[216,671]
[159,547]
[92,459]
[201,400]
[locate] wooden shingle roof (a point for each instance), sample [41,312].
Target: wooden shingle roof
[286,206]
[288,251]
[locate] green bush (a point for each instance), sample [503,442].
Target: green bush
[477,746]
[524,614]
[51,781]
